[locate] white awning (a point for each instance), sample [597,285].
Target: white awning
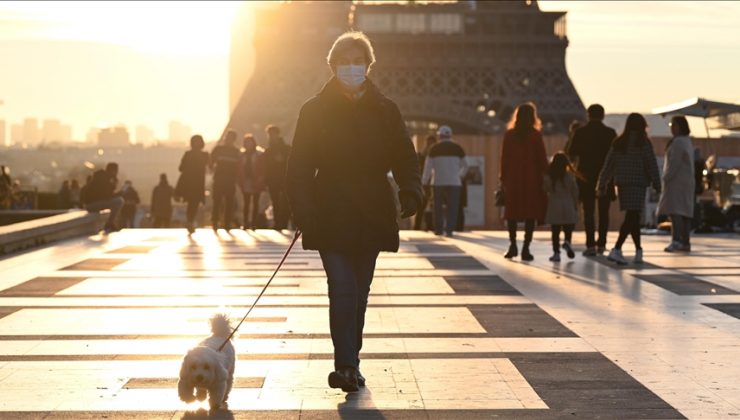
[698,107]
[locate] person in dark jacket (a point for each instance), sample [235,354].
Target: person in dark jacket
[75,193]
[5,184]
[65,197]
[191,186]
[83,189]
[161,208]
[631,164]
[130,201]
[347,139]
[275,161]
[224,162]
[588,151]
[100,194]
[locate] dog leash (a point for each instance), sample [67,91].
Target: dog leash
[285,256]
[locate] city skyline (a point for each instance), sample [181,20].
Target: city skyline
[32,131]
[105,73]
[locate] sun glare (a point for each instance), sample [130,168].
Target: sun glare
[180,27]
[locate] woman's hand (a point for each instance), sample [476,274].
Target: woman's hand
[409,205]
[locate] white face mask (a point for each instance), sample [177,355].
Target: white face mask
[351,75]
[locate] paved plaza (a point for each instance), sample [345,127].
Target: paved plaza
[96,328]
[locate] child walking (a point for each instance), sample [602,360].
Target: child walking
[562,204]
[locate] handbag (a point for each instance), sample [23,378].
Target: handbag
[499,198]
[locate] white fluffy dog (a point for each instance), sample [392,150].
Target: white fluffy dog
[207,371]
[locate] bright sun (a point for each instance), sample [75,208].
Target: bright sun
[181,27]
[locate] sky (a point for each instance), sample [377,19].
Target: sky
[148,63]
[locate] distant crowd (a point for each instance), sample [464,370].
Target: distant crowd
[248,169]
[597,167]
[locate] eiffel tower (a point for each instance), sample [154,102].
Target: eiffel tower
[464,64]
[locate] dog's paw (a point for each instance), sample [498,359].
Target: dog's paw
[187,398]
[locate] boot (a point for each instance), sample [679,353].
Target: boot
[526,256]
[512,252]
[344,378]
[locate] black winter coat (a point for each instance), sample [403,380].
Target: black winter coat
[101,187]
[275,160]
[191,186]
[337,171]
[590,146]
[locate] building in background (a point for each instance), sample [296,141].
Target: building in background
[51,130]
[31,133]
[464,64]
[114,137]
[92,135]
[290,43]
[16,134]
[179,132]
[65,133]
[144,134]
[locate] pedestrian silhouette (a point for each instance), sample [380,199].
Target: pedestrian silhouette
[191,185]
[522,168]
[161,204]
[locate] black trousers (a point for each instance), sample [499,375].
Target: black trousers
[192,211]
[528,230]
[280,207]
[589,202]
[223,201]
[630,227]
[251,207]
[349,276]
[555,230]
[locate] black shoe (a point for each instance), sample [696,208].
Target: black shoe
[360,379]
[512,252]
[526,256]
[569,250]
[109,228]
[345,378]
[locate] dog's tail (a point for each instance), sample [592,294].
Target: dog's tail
[220,325]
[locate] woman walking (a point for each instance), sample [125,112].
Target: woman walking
[191,186]
[631,164]
[250,176]
[523,166]
[347,139]
[562,203]
[677,200]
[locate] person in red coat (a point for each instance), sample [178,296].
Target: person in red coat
[523,166]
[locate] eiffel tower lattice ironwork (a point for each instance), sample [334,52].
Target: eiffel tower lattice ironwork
[465,64]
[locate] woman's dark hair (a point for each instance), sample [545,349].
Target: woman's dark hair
[682,124]
[197,143]
[249,138]
[525,119]
[559,165]
[636,126]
